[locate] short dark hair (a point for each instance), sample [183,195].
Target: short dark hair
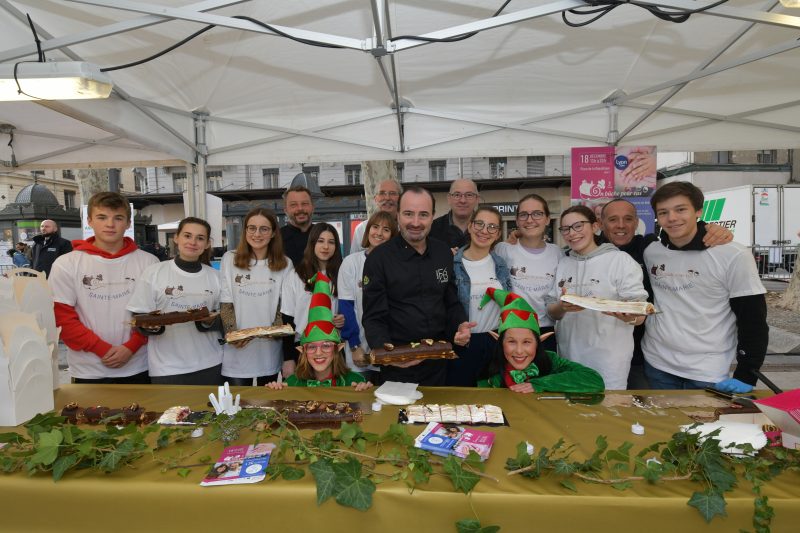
[110,200]
[298,188]
[416,189]
[678,188]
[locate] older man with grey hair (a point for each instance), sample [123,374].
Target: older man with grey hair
[48,246]
[452,227]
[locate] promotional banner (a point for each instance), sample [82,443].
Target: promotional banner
[602,173]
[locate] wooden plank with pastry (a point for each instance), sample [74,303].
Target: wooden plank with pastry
[157,319]
[610,306]
[259,332]
[425,349]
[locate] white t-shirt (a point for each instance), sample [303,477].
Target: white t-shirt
[358,235]
[694,336]
[481,277]
[349,288]
[255,294]
[99,289]
[181,349]
[295,301]
[591,338]
[532,274]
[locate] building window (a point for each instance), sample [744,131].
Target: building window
[535,166]
[37,173]
[497,167]
[68,175]
[399,168]
[69,199]
[179,181]
[438,170]
[214,180]
[767,157]
[352,174]
[311,172]
[721,158]
[270,177]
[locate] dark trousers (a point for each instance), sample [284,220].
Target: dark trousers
[248,382]
[137,379]
[472,360]
[207,376]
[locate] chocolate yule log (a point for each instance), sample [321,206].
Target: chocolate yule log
[157,318]
[132,414]
[425,349]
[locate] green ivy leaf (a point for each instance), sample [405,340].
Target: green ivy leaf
[348,433]
[474,460]
[622,453]
[569,485]
[622,486]
[63,464]
[709,503]
[352,490]
[183,472]
[291,473]
[462,479]
[473,526]
[12,438]
[205,459]
[397,433]
[325,478]
[47,451]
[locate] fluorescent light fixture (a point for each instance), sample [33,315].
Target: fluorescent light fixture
[53,80]
[790,3]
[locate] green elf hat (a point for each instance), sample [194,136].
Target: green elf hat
[515,311]
[320,317]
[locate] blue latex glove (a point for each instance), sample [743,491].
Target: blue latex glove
[733,385]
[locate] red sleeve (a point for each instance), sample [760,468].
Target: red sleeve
[75,334]
[136,341]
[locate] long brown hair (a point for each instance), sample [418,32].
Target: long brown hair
[205,257]
[304,369]
[276,260]
[310,264]
[377,218]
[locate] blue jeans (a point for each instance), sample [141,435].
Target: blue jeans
[664,380]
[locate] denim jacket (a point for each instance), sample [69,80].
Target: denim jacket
[462,277]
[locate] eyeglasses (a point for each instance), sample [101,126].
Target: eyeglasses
[576,227]
[490,228]
[460,195]
[264,230]
[324,347]
[390,194]
[535,215]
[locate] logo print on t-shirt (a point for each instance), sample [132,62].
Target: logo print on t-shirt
[516,270]
[96,281]
[241,279]
[677,281]
[175,292]
[93,282]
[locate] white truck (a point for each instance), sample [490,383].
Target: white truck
[764,217]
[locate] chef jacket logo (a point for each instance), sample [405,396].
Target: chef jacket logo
[365,281]
[441,275]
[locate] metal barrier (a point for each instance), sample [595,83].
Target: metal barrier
[775,262]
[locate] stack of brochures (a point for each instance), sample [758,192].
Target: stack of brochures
[451,439]
[240,464]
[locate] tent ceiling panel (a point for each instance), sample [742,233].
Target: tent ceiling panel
[464,98]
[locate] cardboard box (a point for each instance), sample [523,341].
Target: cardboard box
[784,411]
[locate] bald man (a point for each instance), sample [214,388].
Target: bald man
[48,246]
[452,227]
[386,198]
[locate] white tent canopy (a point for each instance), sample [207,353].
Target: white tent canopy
[526,84]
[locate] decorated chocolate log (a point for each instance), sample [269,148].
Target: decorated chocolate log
[157,318]
[259,332]
[302,412]
[132,414]
[425,349]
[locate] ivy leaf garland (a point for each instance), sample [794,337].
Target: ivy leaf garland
[685,456]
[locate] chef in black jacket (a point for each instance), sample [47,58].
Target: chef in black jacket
[410,292]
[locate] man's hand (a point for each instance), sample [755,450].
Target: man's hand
[360,358]
[117,357]
[274,385]
[734,386]
[361,386]
[287,368]
[628,318]
[716,235]
[240,344]
[464,333]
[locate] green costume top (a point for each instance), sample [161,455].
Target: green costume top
[566,376]
[341,381]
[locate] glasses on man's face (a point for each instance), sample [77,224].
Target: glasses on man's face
[460,195]
[576,227]
[389,194]
[263,230]
[481,225]
[324,347]
[535,215]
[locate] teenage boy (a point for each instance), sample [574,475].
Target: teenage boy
[711,302]
[91,287]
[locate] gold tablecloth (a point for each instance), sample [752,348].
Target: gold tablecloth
[143,498]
